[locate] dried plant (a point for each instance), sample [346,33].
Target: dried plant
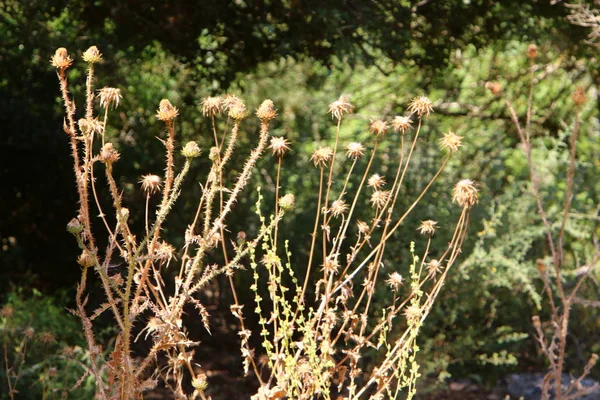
[552,336]
[312,347]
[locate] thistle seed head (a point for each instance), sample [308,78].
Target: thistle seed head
[340,107]
[85,259]
[355,150]
[109,96]
[212,106]
[279,146]
[266,111]
[150,183]
[421,105]
[465,193]
[395,280]
[434,267]
[379,198]
[401,124]
[92,55]
[109,154]
[363,227]
[378,127]
[287,202]
[166,111]
[74,226]
[427,227]
[451,142]
[338,207]
[61,59]
[376,181]
[90,126]
[191,150]
[322,156]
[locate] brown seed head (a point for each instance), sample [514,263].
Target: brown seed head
[85,259]
[322,156]
[451,142]
[340,107]
[465,193]
[355,150]
[380,197]
[191,150]
[287,202]
[7,312]
[150,183]
[532,51]
[395,280]
[90,126]
[401,124]
[331,265]
[74,226]
[61,59]
[427,227]
[266,111]
[29,332]
[238,111]
[421,105]
[494,87]
[164,251]
[413,314]
[378,127]
[579,96]
[109,96]
[434,267]
[200,382]
[213,154]
[109,154]
[338,207]
[376,181]
[279,146]
[92,55]
[212,106]
[166,111]
[363,227]
[46,338]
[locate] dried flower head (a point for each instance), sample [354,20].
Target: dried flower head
[494,87]
[395,280]
[108,96]
[150,183]
[164,251]
[465,193]
[322,156]
[579,96]
[7,312]
[338,207]
[166,111]
[355,150]
[85,259]
[212,106]
[191,150]
[238,111]
[229,100]
[376,181]
[331,265]
[74,226]
[401,124]
[279,146]
[200,382]
[109,154]
[451,142]
[380,197]
[90,126]
[434,267]
[61,59]
[287,202]
[378,127]
[532,51]
[340,107]
[92,55]
[266,111]
[363,227]
[46,338]
[413,314]
[421,105]
[427,227]
[213,154]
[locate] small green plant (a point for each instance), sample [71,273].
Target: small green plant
[313,343]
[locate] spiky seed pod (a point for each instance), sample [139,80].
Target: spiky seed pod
[355,150]
[7,312]
[108,96]
[427,227]
[363,227]
[166,111]
[434,267]
[331,265]
[376,181]
[340,107]
[287,202]
[322,156]
[74,226]
[379,198]
[200,382]
[90,126]
[212,106]
[125,213]
[85,259]
[213,154]
[395,280]
[191,150]
[150,183]
[465,193]
[413,314]
[266,111]
[229,100]
[238,111]
[451,142]
[92,55]
[421,105]
[401,124]
[532,51]
[378,127]
[109,154]
[338,207]
[61,59]
[279,146]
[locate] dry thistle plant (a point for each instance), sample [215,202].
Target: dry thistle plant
[552,336]
[312,347]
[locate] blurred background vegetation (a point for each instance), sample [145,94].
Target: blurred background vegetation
[303,55]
